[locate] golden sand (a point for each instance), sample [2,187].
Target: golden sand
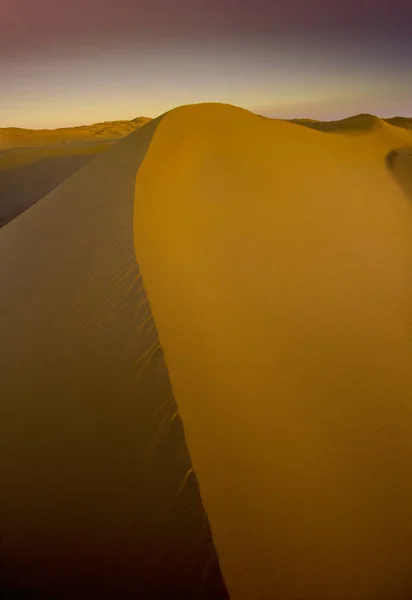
[277,261]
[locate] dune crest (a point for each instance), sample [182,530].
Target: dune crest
[278,264]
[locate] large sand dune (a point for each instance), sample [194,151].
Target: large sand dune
[278,263]
[98,496]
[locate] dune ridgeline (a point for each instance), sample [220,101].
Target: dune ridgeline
[206,366]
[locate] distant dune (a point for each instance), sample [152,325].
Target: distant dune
[400,122]
[206,342]
[14,136]
[34,162]
[356,124]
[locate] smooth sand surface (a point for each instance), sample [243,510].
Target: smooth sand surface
[98,495]
[277,260]
[23,186]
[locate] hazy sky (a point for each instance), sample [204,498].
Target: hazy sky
[69,62]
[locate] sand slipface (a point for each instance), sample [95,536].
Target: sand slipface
[98,494]
[23,186]
[277,261]
[34,162]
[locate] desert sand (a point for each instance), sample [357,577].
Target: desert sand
[206,350]
[358,124]
[34,162]
[98,495]
[277,262]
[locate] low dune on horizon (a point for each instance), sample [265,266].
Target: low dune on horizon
[206,360]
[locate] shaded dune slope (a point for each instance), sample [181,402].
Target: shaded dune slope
[404,122]
[23,186]
[98,495]
[34,162]
[277,261]
[399,161]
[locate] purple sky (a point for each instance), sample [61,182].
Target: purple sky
[80,61]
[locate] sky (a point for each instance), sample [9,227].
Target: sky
[72,62]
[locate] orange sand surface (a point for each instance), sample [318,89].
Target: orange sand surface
[277,260]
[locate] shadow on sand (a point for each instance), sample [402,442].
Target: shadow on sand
[399,162]
[98,494]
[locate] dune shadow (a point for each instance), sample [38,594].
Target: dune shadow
[399,163]
[21,187]
[98,494]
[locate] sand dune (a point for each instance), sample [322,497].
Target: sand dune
[356,124]
[404,122]
[98,499]
[22,187]
[34,162]
[277,261]
[13,137]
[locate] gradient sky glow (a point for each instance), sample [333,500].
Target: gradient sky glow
[71,62]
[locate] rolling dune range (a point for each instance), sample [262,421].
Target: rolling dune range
[276,260]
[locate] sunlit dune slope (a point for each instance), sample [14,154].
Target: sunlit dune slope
[278,264]
[98,496]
